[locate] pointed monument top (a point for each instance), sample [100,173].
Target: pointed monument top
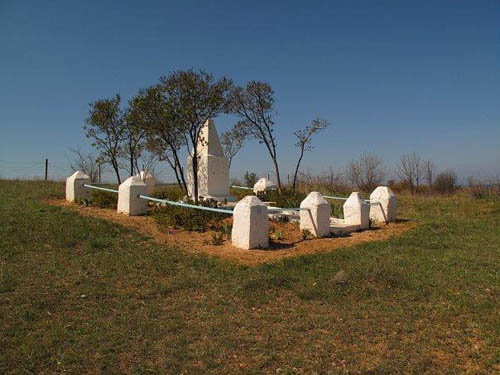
[78,175]
[209,143]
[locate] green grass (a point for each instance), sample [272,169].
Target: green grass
[82,295]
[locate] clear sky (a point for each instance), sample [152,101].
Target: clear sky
[390,76]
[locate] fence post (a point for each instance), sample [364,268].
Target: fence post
[46,168]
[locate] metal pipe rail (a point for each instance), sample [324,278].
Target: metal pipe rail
[332,197]
[341,198]
[241,187]
[180,204]
[100,188]
[286,209]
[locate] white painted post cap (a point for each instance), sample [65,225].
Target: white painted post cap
[74,187]
[263,184]
[357,211]
[250,224]
[383,204]
[315,215]
[128,197]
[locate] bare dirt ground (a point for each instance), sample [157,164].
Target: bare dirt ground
[288,243]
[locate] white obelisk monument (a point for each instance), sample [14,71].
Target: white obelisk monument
[213,166]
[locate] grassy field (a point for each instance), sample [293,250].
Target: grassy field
[82,295]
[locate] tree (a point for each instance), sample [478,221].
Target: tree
[367,172]
[446,182]
[232,141]
[195,97]
[411,170]
[106,126]
[254,105]
[133,140]
[87,163]
[429,172]
[304,141]
[250,179]
[151,110]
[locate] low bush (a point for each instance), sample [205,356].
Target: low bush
[172,193]
[190,219]
[286,199]
[445,182]
[104,199]
[239,194]
[337,210]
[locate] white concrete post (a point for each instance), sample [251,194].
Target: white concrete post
[315,215]
[128,200]
[74,187]
[382,205]
[250,224]
[356,211]
[149,180]
[263,185]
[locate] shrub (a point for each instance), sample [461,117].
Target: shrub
[172,193]
[483,189]
[285,199]
[306,234]
[337,210]
[445,182]
[104,199]
[216,239]
[190,218]
[239,194]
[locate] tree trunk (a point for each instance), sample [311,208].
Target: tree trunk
[297,168]
[277,173]
[195,173]
[131,163]
[179,169]
[115,167]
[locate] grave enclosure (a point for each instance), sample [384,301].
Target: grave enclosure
[250,215]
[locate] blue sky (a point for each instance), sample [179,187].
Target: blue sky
[390,76]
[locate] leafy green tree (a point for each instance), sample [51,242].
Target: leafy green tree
[105,125]
[194,98]
[134,141]
[151,109]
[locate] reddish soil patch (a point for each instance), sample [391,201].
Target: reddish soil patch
[286,237]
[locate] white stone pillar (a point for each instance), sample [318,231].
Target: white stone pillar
[357,211]
[213,166]
[128,200]
[382,205]
[315,215]
[250,224]
[149,180]
[74,187]
[263,185]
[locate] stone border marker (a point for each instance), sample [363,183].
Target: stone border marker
[263,185]
[250,224]
[315,215]
[128,201]
[357,211]
[382,205]
[148,180]
[74,187]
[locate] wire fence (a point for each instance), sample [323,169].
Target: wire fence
[59,170]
